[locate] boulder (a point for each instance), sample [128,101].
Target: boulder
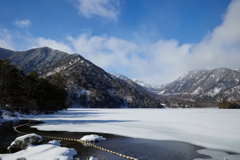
[23,142]
[21,158]
[92,138]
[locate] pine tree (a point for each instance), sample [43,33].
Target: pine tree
[28,93]
[30,89]
[57,80]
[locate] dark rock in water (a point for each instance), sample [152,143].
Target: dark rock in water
[22,158]
[23,142]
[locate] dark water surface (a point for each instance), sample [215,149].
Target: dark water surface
[7,134]
[142,149]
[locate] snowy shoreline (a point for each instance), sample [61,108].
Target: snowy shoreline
[51,151]
[210,128]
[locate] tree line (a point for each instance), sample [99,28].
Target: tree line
[27,93]
[106,92]
[228,105]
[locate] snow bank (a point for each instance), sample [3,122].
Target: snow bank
[54,142]
[50,151]
[8,116]
[92,138]
[22,138]
[211,128]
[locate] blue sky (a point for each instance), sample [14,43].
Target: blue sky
[156,41]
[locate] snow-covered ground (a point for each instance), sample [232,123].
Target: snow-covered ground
[7,116]
[211,128]
[50,151]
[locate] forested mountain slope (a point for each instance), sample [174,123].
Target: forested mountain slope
[36,59]
[87,84]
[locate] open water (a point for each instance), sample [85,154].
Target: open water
[142,149]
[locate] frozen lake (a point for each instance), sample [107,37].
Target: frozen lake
[210,128]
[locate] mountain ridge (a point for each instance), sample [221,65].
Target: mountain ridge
[84,79]
[36,58]
[150,87]
[87,84]
[198,88]
[205,85]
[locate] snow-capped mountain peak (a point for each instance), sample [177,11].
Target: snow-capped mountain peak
[139,82]
[149,87]
[210,85]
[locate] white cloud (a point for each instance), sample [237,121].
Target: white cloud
[42,42]
[103,51]
[164,61]
[102,8]
[154,63]
[160,62]
[23,23]
[6,39]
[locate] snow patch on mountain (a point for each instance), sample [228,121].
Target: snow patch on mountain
[139,81]
[197,91]
[120,76]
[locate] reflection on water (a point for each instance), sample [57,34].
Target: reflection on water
[7,134]
[138,148]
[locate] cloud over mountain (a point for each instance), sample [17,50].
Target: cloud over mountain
[6,39]
[154,61]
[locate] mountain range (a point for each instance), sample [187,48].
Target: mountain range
[87,84]
[90,86]
[207,87]
[150,87]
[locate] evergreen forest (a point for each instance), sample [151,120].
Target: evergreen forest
[229,105]
[29,94]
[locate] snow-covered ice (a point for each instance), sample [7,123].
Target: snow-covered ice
[217,155]
[49,151]
[211,128]
[92,138]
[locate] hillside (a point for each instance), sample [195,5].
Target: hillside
[206,86]
[200,88]
[87,84]
[5,53]
[36,59]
